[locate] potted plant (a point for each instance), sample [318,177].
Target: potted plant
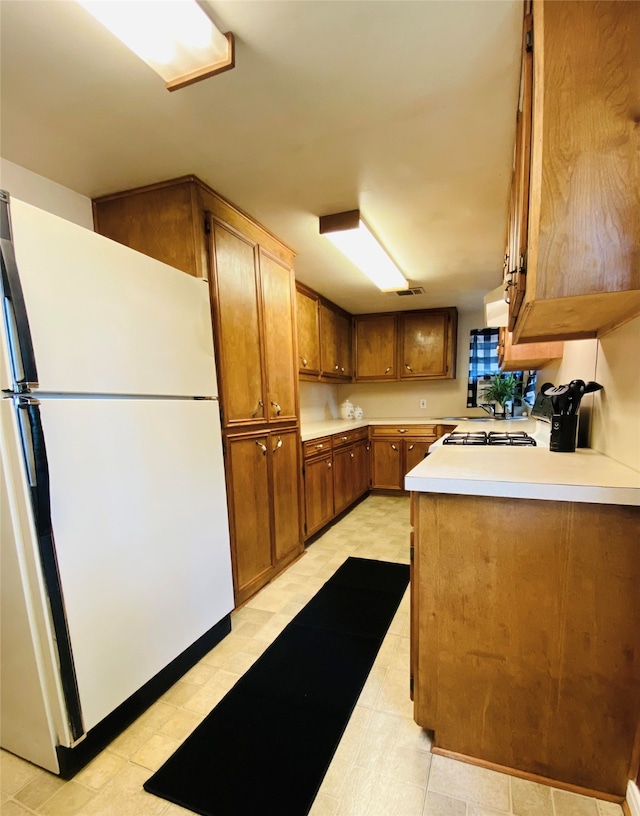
[502,389]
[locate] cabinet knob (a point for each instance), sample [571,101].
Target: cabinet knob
[402,430]
[408,367]
[262,446]
[336,368]
[388,369]
[278,444]
[345,438]
[277,407]
[352,456]
[319,446]
[411,447]
[342,369]
[393,447]
[304,362]
[328,464]
[258,409]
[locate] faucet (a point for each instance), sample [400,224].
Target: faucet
[489,408]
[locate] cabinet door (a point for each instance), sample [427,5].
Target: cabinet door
[285,481]
[414,452]
[237,326]
[329,366]
[343,342]
[375,349]
[308,321]
[318,493]
[343,482]
[424,344]
[386,468]
[361,468]
[249,503]
[279,341]
[516,281]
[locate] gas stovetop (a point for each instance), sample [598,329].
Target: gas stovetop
[514,439]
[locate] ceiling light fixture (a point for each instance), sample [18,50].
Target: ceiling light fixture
[351,235]
[174,37]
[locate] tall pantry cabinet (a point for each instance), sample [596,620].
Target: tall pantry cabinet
[185,223]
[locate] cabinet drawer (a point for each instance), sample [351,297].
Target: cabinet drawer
[397,431]
[349,437]
[315,447]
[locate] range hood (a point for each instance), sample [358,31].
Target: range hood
[496,309]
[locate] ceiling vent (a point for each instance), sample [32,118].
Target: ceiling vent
[412,290]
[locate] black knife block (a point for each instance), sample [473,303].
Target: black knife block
[564,432]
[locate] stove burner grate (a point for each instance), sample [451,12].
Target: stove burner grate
[514,439]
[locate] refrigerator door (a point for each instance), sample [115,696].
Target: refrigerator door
[139,518]
[103,319]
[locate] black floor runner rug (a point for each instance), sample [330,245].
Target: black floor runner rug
[266,747]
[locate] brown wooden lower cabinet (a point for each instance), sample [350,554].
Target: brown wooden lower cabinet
[318,492]
[395,450]
[350,474]
[526,649]
[264,506]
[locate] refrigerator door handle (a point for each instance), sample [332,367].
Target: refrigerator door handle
[36,458]
[24,361]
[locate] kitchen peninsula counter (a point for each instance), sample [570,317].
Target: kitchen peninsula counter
[525,636]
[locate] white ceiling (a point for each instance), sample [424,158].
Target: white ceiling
[403,108]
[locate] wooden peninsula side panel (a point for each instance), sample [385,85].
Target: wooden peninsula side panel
[526,634]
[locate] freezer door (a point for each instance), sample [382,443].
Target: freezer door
[139,518]
[105,319]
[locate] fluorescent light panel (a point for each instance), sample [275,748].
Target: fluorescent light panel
[174,37]
[353,238]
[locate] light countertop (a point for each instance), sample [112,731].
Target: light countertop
[526,473]
[313,430]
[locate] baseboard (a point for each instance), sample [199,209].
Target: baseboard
[633,799]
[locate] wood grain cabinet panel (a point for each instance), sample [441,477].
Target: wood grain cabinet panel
[308,322]
[376,347]
[240,366]
[526,356]
[398,449]
[335,342]
[318,492]
[426,344]
[386,464]
[262,481]
[581,259]
[526,649]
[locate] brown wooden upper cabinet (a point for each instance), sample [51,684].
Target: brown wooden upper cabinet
[335,342]
[308,319]
[417,345]
[573,265]
[526,356]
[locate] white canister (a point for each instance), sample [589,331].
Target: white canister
[358,413]
[346,410]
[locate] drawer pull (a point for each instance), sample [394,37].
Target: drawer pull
[408,367]
[320,446]
[402,430]
[261,445]
[345,438]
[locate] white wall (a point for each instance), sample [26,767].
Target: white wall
[46,194]
[318,401]
[609,419]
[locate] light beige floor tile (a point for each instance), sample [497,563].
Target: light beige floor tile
[392,797]
[155,752]
[608,809]
[357,793]
[98,773]
[324,806]
[372,687]
[257,617]
[176,810]
[239,663]
[180,693]
[12,808]
[353,735]
[438,805]
[39,789]
[200,674]
[479,810]
[70,800]
[130,740]
[124,795]
[15,773]
[333,782]
[530,798]
[181,724]
[463,781]
[394,694]
[572,804]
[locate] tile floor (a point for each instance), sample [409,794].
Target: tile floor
[383,766]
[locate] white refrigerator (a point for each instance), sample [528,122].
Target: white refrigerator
[116,567]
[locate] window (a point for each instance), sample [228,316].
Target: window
[483,364]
